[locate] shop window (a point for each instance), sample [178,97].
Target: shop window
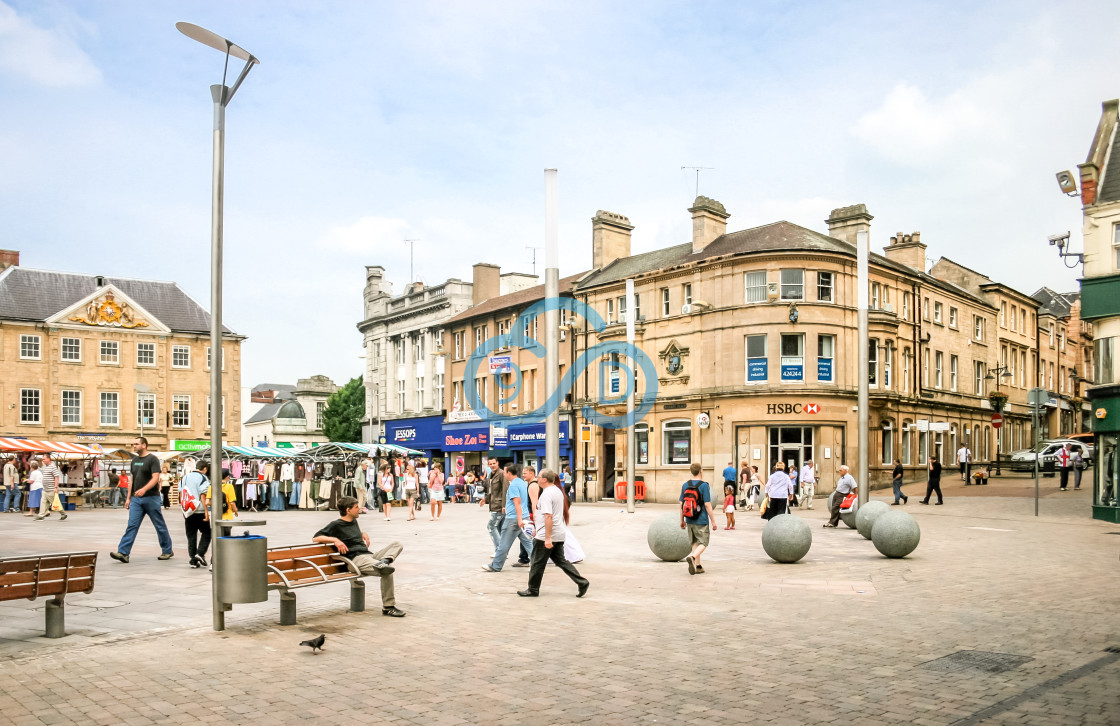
[755,286]
[71,407]
[793,285]
[1104,352]
[677,437]
[757,366]
[826,351]
[793,357]
[72,350]
[641,440]
[790,444]
[824,286]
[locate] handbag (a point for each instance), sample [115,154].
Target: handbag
[848,504]
[765,505]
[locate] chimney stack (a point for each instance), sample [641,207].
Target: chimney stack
[610,238]
[487,282]
[9,258]
[846,222]
[709,221]
[908,250]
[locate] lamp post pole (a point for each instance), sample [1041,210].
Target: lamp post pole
[551,319]
[863,253]
[996,374]
[631,314]
[221,95]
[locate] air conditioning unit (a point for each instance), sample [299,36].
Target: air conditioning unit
[686,309]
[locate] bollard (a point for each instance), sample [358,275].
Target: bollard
[357,596]
[287,607]
[56,618]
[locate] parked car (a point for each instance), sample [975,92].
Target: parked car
[1047,452]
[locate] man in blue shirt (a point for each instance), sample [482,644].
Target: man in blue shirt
[700,496]
[517,516]
[731,479]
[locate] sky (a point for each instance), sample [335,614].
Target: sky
[369,123]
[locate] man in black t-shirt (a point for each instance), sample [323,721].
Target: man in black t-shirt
[352,543]
[143,500]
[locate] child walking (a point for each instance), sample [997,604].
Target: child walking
[729,506]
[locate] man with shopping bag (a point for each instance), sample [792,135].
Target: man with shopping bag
[51,479]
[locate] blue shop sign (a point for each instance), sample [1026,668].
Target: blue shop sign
[416,433]
[532,436]
[757,369]
[792,372]
[824,369]
[466,437]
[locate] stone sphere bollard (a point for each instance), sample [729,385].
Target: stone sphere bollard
[849,518]
[667,540]
[867,514]
[895,534]
[786,538]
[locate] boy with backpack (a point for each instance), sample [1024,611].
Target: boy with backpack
[194,498]
[696,516]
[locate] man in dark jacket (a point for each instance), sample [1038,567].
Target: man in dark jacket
[494,494]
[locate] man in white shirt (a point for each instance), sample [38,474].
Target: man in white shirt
[808,483]
[964,459]
[549,537]
[845,486]
[52,479]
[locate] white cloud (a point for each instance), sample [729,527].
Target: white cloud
[366,235]
[910,128]
[46,57]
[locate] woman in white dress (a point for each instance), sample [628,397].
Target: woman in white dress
[411,482]
[435,491]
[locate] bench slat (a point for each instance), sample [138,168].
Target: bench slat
[28,590]
[45,576]
[289,563]
[296,584]
[307,551]
[307,573]
[46,562]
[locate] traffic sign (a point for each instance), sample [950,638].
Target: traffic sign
[997,420]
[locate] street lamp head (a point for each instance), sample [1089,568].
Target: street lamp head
[1006,374]
[990,377]
[215,41]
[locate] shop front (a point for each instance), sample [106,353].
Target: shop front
[423,434]
[466,444]
[526,444]
[1106,468]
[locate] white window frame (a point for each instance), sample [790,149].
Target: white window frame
[458,345]
[320,408]
[181,411]
[873,362]
[400,396]
[888,365]
[905,306]
[876,290]
[938,370]
[795,290]
[978,376]
[209,359]
[675,425]
[1003,314]
[27,342]
[830,287]
[938,308]
[139,347]
[1116,245]
[831,341]
[178,352]
[978,328]
[30,412]
[141,400]
[954,367]
[111,360]
[109,402]
[439,390]
[754,291]
[419,393]
[906,355]
[784,360]
[210,412]
[686,293]
[610,313]
[749,358]
[75,346]
[73,409]
[665,303]
[953,316]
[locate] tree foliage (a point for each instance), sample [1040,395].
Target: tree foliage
[342,418]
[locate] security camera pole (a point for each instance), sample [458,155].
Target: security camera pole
[551,319]
[862,254]
[222,95]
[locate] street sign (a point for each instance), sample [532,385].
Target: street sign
[1038,396]
[997,420]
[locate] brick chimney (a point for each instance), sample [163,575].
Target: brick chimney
[487,282]
[1098,152]
[709,221]
[610,238]
[9,258]
[908,250]
[846,222]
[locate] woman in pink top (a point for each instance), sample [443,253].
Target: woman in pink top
[435,491]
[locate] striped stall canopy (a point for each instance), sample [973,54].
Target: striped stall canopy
[43,447]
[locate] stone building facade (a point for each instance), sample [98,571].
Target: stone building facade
[291,417]
[101,360]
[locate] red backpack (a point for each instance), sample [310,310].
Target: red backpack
[692,503]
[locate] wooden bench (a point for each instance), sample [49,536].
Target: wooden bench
[33,576]
[294,567]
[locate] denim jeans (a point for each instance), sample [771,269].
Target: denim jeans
[138,508]
[115,499]
[897,485]
[494,527]
[510,532]
[11,499]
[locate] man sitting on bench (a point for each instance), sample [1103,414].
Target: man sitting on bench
[345,534]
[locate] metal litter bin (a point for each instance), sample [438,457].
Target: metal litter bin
[242,568]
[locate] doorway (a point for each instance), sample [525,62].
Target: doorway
[609,475]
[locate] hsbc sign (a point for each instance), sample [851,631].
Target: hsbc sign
[773,409]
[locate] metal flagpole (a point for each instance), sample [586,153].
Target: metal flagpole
[551,319]
[631,439]
[862,283]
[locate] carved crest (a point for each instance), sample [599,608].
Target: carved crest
[106,311]
[674,358]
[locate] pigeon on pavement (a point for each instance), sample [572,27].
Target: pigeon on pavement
[316,644]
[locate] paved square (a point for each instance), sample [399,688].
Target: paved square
[842,637]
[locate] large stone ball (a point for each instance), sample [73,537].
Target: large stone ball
[867,514]
[667,540]
[786,538]
[895,534]
[848,518]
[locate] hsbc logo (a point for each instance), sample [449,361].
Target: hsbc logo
[794,408]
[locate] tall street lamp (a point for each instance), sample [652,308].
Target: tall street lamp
[222,95]
[995,374]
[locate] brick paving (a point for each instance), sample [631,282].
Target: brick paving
[842,637]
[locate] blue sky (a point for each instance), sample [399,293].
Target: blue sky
[371,122]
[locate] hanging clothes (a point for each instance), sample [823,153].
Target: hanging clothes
[294,499]
[235,469]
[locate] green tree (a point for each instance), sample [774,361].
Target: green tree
[342,418]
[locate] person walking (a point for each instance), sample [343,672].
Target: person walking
[844,486]
[551,515]
[143,500]
[422,473]
[808,483]
[194,499]
[436,491]
[934,484]
[757,485]
[229,497]
[1078,464]
[494,494]
[896,483]
[964,460]
[516,518]
[697,517]
[411,482]
[353,544]
[52,479]
[165,485]
[731,478]
[1065,457]
[728,508]
[35,492]
[746,476]
[779,489]
[11,485]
